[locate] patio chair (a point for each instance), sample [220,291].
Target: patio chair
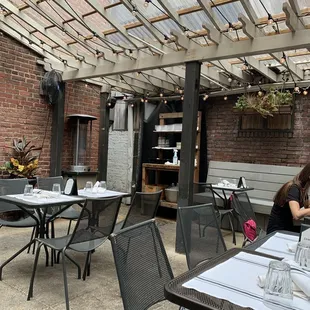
[47,184]
[143,207]
[142,265]
[219,211]
[9,187]
[244,210]
[201,233]
[93,227]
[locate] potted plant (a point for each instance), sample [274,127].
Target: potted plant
[23,159]
[273,101]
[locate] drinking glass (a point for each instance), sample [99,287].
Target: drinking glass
[302,255]
[28,190]
[88,186]
[102,187]
[278,285]
[56,189]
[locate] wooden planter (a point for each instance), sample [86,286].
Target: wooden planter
[284,109]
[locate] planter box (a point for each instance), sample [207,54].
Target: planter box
[285,109]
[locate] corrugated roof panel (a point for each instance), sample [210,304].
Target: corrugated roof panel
[182,4]
[165,26]
[98,22]
[79,6]
[194,21]
[229,12]
[37,17]
[303,4]
[153,9]
[117,38]
[122,15]
[273,7]
[142,33]
[20,22]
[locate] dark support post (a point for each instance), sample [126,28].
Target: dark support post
[189,132]
[57,133]
[103,134]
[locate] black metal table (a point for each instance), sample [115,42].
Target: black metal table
[28,206]
[192,299]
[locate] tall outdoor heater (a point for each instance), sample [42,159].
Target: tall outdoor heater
[81,125]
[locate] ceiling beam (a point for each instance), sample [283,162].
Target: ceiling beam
[225,50]
[261,68]
[247,26]
[292,20]
[212,33]
[247,6]
[289,65]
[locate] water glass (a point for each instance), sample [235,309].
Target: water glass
[278,285]
[302,255]
[56,189]
[28,190]
[102,187]
[88,186]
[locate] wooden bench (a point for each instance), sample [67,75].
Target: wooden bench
[265,179]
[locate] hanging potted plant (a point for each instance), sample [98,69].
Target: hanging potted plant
[272,102]
[23,159]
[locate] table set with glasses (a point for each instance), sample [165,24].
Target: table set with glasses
[273,273]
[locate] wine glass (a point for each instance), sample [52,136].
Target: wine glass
[88,186]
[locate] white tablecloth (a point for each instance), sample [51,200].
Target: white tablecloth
[105,194]
[277,245]
[236,280]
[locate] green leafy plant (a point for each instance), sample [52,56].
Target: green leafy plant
[23,161]
[265,104]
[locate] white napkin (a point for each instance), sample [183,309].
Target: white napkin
[95,187]
[292,247]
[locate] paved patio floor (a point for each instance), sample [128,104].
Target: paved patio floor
[99,291]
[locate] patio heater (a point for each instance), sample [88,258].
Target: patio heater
[81,125]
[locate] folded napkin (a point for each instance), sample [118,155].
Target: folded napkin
[292,247]
[300,279]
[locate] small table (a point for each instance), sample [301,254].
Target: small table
[193,299]
[28,203]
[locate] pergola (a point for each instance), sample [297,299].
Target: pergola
[161,50]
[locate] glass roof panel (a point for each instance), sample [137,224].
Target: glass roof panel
[117,38]
[54,11]
[165,26]
[37,17]
[98,21]
[303,4]
[17,2]
[229,12]
[273,7]
[20,22]
[153,9]
[77,29]
[194,21]
[142,33]
[80,6]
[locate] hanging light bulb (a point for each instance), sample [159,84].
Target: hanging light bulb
[305,92]
[225,98]
[146,3]
[132,105]
[230,27]
[270,19]
[181,91]
[166,38]
[296,88]
[165,101]
[161,94]
[182,97]
[249,86]
[245,65]
[86,85]
[230,79]
[142,100]
[134,11]
[260,93]
[283,59]
[146,100]
[205,97]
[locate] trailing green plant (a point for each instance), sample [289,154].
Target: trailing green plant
[265,104]
[22,161]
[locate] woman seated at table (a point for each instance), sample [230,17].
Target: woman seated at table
[291,203]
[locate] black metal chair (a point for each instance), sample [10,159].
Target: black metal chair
[16,186]
[143,207]
[201,233]
[142,265]
[95,224]
[244,210]
[47,184]
[219,210]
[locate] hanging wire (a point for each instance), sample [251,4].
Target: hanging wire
[122,79]
[172,78]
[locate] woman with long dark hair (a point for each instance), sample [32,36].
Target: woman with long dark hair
[291,203]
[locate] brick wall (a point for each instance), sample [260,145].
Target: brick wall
[24,112]
[225,145]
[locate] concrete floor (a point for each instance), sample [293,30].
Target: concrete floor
[99,291]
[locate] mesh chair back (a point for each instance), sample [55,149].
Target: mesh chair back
[10,187]
[97,220]
[143,207]
[204,188]
[201,233]
[243,207]
[142,265]
[47,183]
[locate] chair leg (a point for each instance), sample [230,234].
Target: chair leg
[76,264]
[65,278]
[15,255]
[232,228]
[32,235]
[69,227]
[86,265]
[30,291]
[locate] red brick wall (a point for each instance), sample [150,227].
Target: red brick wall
[225,145]
[24,112]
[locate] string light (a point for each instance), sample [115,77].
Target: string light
[138,73]
[245,65]
[205,97]
[270,19]
[181,91]
[134,11]
[2,10]
[166,38]
[132,105]
[165,101]
[125,97]
[146,3]
[182,97]
[296,88]
[225,98]
[230,27]
[283,58]
[305,92]
[161,94]
[230,79]
[249,86]
[146,100]
[142,99]
[260,93]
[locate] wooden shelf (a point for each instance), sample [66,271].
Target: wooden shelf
[164,203]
